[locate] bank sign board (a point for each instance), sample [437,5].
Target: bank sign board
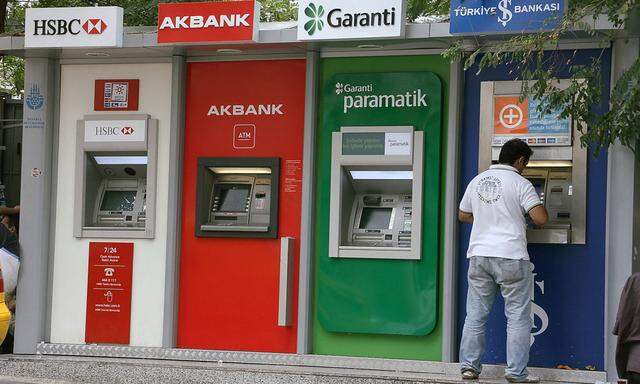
[75,27]
[339,19]
[469,17]
[223,21]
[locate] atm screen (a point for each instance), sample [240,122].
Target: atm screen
[118,200]
[233,197]
[538,184]
[375,218]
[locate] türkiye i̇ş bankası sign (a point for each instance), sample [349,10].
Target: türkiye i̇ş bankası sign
[223,21]
[73,27]
[504,16]
[339,19]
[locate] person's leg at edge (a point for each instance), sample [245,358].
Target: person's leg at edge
[516,282]
[480,298]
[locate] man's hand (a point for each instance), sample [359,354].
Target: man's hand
[539,215]
[465,217]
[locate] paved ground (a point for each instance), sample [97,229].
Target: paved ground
[43,369]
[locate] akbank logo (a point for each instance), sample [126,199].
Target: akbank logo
[506,15]
[35,99]
[339,88]
[315,22]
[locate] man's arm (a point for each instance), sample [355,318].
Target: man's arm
[539,215]
[465,217]
[9,211]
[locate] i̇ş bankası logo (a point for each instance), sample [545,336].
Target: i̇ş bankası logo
[505,11]
[365,97]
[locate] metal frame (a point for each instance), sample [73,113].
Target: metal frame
[174,223]
[307,220]
[450,278]
[338,160]
[150,145]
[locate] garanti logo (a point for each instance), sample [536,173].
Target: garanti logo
[364,96]
[315,23]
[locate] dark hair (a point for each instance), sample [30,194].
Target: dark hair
[14,220]
[514,149]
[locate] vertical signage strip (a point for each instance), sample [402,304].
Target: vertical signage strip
[109,293]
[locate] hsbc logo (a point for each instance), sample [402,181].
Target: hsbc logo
[127,130]
[61,27]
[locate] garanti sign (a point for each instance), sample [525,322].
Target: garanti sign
[339,19]
[73,27]
[505,16]
[223,21]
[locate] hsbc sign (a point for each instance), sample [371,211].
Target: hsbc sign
[222,21]
[104,131]
[73,27]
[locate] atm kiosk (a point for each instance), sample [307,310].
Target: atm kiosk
[376,193]
[115,177]
[558,167]
[237,197]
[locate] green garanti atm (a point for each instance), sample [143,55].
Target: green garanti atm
[378,231]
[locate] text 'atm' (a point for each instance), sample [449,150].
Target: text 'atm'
[237,197]
[116,176]
[558,167]
[376,193]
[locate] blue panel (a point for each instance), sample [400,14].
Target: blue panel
[573,276]
[469,17]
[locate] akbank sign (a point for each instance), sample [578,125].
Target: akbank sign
[339,19]
[469,17]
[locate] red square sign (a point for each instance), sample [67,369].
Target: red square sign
[116,95]
[109,293]
[244,136]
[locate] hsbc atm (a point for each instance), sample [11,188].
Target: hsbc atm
[115,176]
[558,167]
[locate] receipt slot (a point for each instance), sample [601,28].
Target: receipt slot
[237,197]
[376,193]
[115,177]
[558,167]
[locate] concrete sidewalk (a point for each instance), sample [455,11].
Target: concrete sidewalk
[65,370]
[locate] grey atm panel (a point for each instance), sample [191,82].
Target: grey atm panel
[237,197]
[376,193]
[558,172]
[115,176]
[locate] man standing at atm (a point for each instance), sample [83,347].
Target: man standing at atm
[496,203]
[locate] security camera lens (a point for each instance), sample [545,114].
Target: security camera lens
[130,171]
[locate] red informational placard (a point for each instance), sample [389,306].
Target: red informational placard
[109,293]
[222,21]
[116,95]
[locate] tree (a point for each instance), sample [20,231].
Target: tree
[535,58]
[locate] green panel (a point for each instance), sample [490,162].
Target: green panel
[381,308]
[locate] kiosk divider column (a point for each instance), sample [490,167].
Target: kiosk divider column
[37,202]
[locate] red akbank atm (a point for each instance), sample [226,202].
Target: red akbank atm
[241,205]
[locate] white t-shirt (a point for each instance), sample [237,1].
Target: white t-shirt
[498,199]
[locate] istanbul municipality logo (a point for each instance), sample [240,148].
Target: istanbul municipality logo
[315,14]
[35,99]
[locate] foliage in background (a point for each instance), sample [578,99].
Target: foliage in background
[525,53]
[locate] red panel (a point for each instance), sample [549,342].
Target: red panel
[116,95]
[229,286]
[109,293]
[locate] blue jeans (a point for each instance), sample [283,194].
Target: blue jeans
[514,278]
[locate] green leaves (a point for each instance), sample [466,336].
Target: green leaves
[315,14]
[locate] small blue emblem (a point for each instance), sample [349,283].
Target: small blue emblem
[34,99]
